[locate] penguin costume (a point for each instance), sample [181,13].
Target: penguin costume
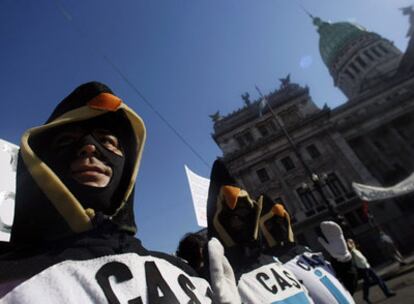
[233,218]
[309,267]
[72,242]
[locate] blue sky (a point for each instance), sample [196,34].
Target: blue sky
[189,58]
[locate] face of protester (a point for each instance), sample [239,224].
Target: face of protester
[88,166]
[78,169]
[279,229]
[89,158]
[240,222]
[237,215]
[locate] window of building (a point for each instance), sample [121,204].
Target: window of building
[240,141]
[290,116]
[349,74]
[308,200]
[263,130]
[383,48]
[354,68]
[287,163]
[266,128]
[262,175]
[361,62]
[248,137]
[313,151]
[335,185]
[375,51]
[369,56]
[244,139]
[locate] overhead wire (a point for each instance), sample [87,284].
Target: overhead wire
[68,17]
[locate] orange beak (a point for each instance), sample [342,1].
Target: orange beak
[105,101]
[231,194]
[279,210]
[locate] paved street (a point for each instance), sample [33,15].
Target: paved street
[401,280]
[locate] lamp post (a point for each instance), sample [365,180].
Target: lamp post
[318,182]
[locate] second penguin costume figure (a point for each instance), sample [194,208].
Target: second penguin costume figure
[233,218]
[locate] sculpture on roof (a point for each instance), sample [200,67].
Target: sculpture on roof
[287,86]
[285,82]
[216,116]
[407,62]
[410,12]
[246,98]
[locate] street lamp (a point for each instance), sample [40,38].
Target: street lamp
[318,183]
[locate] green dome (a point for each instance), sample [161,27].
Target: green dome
[335,36]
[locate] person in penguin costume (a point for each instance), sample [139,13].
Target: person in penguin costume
[321,279]
[72,239]
[233,219]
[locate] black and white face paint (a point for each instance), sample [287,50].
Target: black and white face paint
[240,222]
[69,155]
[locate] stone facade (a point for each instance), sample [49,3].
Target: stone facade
[367,140]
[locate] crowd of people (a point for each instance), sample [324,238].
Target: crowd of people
[73,237]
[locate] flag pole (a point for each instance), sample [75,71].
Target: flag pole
[286,133]
[312,175]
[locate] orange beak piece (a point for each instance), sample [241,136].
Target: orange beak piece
[231,194]
[105,101]
[279,210]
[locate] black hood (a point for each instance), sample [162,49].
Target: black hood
[46,207]
[275,225]
[232,215]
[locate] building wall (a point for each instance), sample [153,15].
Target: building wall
[367,140]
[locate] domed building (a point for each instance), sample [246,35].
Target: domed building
[356,58]
[307,157]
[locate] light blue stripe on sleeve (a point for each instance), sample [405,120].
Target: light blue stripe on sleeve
[299,298]
[334,291]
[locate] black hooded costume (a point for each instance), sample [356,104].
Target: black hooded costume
[73,243]
[309,267]
[233,218]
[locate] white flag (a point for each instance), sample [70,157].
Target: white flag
[262,105]
[8,165]
[199,192]
[372,193]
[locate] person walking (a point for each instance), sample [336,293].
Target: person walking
[367,273]
[390,249]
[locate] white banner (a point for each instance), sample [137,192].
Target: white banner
[8,165]
[372,193]
[199,192]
